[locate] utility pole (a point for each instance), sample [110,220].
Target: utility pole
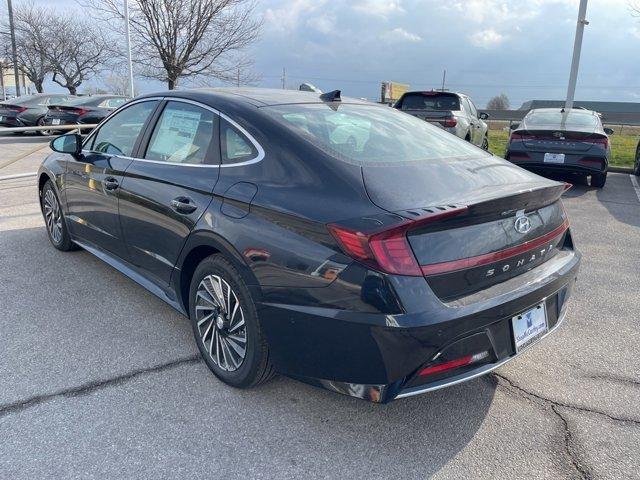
[577,47]
[4,92]
[238,77]
[444,77]
[284,78]
[128,35]
[13,48]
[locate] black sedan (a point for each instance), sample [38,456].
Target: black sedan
[554,140]
[29,110]
[381,269]
[88,110]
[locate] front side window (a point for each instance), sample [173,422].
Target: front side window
[370,134]
[183,134]
[119,134]
[236,147]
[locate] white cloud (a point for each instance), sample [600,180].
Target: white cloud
[488,38]
[400,34]
[380,8]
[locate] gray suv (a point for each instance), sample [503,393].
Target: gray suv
[455,112]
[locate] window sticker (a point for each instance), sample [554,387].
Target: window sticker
[174,138]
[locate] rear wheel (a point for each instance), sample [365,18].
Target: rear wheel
[226,326]
[54,219]
[43,132]
[636,165]
[485,144]
[598,179]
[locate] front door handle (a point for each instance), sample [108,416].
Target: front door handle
[111,183]
[183,205]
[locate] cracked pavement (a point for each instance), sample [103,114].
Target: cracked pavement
[99,379]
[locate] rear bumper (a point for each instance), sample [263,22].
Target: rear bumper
[376,357]
[583,163]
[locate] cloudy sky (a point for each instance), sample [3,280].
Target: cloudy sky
[519,47]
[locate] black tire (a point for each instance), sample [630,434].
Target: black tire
[485,144]
[55,222]
[254,368]
[598,179]
[43,133]
[636,165]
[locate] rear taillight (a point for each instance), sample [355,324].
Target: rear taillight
[452,364]
[77,111]
[450,122]
[387,250]
[604,141]
[14,108]
[520,136]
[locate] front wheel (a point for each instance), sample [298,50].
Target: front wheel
[226,325]
[54,219]
[485,144]
[598,179]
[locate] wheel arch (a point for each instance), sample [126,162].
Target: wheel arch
[43,177]
[199,246]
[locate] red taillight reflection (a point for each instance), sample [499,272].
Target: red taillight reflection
[450,365]
[450,122]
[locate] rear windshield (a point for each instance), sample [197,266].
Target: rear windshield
[430,101]
[370,134]
[571,119]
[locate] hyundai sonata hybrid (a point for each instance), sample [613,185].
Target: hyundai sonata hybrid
[399,263]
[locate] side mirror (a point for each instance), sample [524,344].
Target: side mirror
[609,131]
[483,116]
[514,126]
[70,143]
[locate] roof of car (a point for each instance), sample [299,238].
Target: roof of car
[259,97]
[560,110]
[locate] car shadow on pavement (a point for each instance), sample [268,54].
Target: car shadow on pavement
[85,342]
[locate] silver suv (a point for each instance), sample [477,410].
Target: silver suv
[455,112]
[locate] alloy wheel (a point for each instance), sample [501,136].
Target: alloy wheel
[53,216]
[220,322]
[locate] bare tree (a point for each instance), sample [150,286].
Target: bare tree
[31,28]
[76,49]
[117,82]
[177,39]
[240,73]
[499,102]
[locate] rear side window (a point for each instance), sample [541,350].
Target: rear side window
[183,134]
[429,101]
[119,134]
[371,134]
[236,147]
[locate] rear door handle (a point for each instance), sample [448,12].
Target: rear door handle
[183,205]
[111,183]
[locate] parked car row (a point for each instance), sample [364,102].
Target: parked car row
[57,109]
[547,140]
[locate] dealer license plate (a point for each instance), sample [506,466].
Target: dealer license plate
[529,326]
[554,158]
[55,121]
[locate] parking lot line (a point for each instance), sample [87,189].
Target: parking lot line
[636,187]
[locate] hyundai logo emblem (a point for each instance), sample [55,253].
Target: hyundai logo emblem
[523,224]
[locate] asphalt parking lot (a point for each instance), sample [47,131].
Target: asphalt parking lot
[100,379]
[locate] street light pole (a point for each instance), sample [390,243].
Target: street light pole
[14,53]
[128,35]
[577,47]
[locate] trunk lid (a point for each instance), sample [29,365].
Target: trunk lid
[559,141]
[508,221]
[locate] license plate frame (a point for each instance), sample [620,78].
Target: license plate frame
[554,157]
[529,326]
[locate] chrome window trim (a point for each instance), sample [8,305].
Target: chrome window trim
[253,141]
